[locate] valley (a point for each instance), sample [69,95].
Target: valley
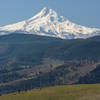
[30,61]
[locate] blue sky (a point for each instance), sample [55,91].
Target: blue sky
[84,12]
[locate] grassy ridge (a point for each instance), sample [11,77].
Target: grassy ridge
[71,92]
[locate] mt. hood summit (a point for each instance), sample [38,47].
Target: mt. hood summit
[48,23]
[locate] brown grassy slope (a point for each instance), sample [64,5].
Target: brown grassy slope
[70,92]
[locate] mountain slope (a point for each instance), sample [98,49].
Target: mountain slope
[91,77]
[48,23]
[23,46]
[27,60]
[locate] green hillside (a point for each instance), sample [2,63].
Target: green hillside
[70,92]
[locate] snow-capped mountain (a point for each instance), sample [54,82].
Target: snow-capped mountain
[48,23]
